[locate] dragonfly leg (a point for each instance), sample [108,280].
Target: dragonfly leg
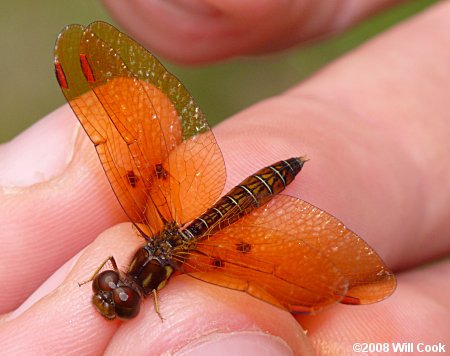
[155,300]
[114,264]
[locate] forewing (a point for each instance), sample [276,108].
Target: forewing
[195,171]
[114,153]
[154,166]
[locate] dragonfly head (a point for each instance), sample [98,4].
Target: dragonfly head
[114,298]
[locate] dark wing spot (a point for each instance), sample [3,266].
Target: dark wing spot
[132,178]
[161,173]
[86,68]
[217,262]
[350,300]
[60,76]
[243,247]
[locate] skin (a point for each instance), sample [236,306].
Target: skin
[375,126]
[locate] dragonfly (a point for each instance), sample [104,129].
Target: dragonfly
[167,172]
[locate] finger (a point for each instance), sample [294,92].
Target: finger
[197,316]
[205,30]
[55,200]
[375,127]
[418,312]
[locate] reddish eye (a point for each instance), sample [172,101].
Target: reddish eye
[127,302]
[105,281]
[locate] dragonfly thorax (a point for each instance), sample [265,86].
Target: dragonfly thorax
[150,267]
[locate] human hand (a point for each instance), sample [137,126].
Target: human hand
[377,163]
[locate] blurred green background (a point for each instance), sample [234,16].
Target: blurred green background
[28,89]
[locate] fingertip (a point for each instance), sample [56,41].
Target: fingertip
[194,32]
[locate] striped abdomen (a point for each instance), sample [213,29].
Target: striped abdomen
[253,192]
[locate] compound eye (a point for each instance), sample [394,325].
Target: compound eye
[105,281]
[104,304]
[127,302]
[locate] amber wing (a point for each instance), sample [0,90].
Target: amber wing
[294,255]
[154,143]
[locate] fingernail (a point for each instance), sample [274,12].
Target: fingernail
[239,343]
[41,152]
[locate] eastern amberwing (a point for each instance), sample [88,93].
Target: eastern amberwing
[167,171]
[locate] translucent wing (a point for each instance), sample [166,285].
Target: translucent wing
[292,254]
[157,150]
